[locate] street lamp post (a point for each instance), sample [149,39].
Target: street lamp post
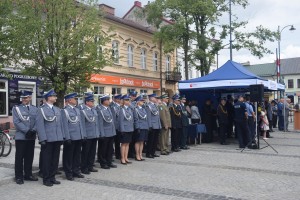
[292,28]
[230,30]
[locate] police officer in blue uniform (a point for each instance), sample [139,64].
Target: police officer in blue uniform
[132,95]
[141,127]
[107,133]
[50,132]
[24,118]
[115,109]
[241,123]
[73,128]
[126,127]
[154,126]
[90,123]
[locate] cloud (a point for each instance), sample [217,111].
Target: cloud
[268,13]
[290,52]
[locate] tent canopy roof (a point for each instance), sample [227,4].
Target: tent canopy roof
[229,71]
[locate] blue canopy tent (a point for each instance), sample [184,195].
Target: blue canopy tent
[232,77]
[229,76]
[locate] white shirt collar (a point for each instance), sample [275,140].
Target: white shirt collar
[50,105]
[105,106]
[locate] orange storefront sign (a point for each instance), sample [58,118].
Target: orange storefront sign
[132,82]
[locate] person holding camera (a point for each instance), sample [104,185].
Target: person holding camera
[24,116]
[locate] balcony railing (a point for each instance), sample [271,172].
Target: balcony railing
[173,76]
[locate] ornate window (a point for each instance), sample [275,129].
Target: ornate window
[155,61]
[115,52]
[130,56]
[143,59]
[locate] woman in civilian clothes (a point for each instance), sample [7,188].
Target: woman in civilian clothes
[141,127]
[126,128]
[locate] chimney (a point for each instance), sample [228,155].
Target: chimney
[138,3]
[107,9]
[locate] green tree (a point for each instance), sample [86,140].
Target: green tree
[176,35]
[206,31]
[6,57]
[60,40]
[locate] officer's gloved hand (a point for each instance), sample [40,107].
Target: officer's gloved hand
[30,134]
[43,143]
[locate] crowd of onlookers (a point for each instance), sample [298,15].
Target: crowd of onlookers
[224,119]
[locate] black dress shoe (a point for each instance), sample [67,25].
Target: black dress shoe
[112,166]
[164,153]
[155,155]
[58,173]
[78,175]
[48,183]
[123,163]
[93,170]
[31,178]
[70,178]
[224,143]
[19,181]
[55,182]
[138,159]
[85,171]
[149,156]
[186,147]
[105,167]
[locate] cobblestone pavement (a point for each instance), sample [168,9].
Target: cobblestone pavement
[207,171]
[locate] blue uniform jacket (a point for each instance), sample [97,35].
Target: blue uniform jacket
[24,120]
[49,124]
[126,121]
[153,116]
[106,121]
[140,118]
[115,109]
[90,122]
[72,123]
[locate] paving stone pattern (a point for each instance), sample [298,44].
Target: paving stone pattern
[207,171]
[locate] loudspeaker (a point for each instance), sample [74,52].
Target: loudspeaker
[256,93]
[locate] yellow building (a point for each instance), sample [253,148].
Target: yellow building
[136,59]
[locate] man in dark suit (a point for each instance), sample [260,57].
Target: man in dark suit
[185,123]
[176,121]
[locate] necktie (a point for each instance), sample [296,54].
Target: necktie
[27,107]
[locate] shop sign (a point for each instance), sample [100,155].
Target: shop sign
[132,82]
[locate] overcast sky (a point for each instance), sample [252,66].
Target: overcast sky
[269,13]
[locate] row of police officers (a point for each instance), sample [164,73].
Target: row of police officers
[122,126]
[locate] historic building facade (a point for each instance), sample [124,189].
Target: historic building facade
[138,63]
